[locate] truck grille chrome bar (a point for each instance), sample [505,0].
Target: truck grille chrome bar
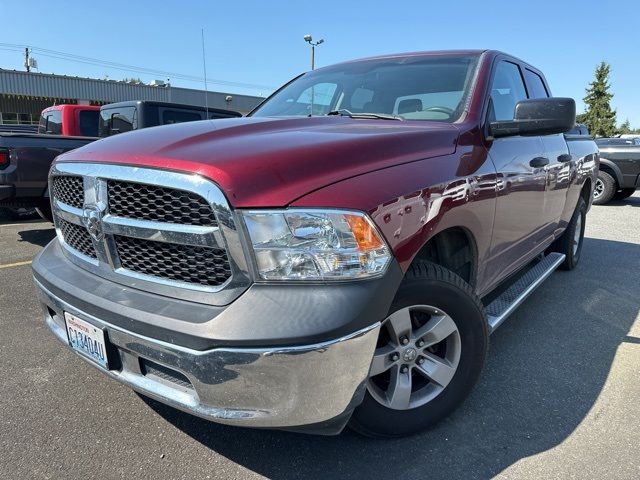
[165,232]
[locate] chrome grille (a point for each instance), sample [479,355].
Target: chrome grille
[69,190]
[77,237]
[165,232]
[160,204]
[182,263]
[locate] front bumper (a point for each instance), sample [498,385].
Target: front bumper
[253,387]
[311,386]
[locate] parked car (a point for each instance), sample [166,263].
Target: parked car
[339,256]
[126,116]
[619,174]
[70,120]
[25,159]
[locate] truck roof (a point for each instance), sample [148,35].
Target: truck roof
[135,103]
[67,106]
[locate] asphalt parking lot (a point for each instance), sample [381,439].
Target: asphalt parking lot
[558,398]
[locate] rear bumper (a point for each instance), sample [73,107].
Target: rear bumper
[283,387]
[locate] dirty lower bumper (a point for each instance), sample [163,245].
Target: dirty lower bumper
[275,387]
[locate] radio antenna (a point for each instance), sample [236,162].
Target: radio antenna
[204,67]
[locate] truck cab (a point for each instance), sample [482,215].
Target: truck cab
[126,116]
[70,120]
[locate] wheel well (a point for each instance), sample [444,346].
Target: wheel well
[610,171]
[585,193]
[454,249]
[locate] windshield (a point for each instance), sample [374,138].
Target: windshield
[414,88]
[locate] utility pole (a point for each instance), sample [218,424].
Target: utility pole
[26,59]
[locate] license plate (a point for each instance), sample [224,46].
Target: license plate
[86,339]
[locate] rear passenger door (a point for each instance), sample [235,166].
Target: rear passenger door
[520,189]
[560,167]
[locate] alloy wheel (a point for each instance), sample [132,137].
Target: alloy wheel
[598,190]
[417,355]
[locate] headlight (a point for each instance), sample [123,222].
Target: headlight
[315,244]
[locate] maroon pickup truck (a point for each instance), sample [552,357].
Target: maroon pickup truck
[338,257]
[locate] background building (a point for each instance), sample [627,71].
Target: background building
[23,95]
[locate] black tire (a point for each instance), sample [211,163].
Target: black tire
[624,193]
[605,188]
[566,243]
[429,284]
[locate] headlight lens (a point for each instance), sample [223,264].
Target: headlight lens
[315,244]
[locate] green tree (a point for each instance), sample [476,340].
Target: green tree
[600,118]
[625,127]
[135,81]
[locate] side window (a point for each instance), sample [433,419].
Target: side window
[88,120]
[54,123]
[117,120]
[320,96]
[536,85]
[180,116]
[507,89]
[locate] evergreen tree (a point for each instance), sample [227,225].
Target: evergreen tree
[600,118]
[625,127]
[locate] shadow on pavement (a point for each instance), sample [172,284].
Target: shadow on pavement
[633,201]
[39,237]
[546,369]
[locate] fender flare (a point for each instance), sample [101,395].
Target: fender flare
[612,166]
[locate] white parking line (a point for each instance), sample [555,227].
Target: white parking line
[17,264]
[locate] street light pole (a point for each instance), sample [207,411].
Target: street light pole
[309,40]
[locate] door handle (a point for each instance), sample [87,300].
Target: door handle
[565,157]
[539,162]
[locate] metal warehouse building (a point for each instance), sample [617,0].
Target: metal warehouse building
[23,95]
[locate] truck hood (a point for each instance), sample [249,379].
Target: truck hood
[270,162]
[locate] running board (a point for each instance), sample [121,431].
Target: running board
[503,306]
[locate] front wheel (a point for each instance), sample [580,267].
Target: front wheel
[430,352]
[604,189]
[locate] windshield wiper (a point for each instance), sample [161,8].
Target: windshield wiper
[343,112]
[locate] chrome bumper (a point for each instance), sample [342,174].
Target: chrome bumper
[252,387]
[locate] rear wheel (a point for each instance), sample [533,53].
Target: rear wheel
[604,188]
[570,243]
[624,193]
[429,355]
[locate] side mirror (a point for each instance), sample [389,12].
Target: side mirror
[540,116]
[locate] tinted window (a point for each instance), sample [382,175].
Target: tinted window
[536,85]
[416,88]
[88,121]
[507,90]
[52,123]
[117,120]
[179,116]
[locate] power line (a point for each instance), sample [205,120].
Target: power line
[45,52]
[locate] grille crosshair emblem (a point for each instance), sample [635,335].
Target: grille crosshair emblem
[93,221]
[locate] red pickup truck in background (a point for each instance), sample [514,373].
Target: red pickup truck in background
[70,120]
[341,255]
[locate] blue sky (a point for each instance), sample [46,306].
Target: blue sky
[260,42]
